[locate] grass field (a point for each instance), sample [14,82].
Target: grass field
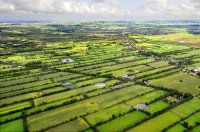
[64,113]
[121,72]
[154,71]
[106,114]
[72,126]
[15,107]
[11,116]
[16,125]
[157,106]
[159,64]
[170,117]
[73,92]
[146,98]
[18,98]
[24,86]
[177,128]
[183,110]
[18,81]
[196,129]
[122,122]
[181,82]
[192,119]
[163,47]
[179,38]
[99,76]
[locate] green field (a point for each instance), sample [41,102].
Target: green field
[66,112]
[122,122]
[177,128]
[73,126]
[170,117]
[15,107]
[178,38]
[105,76]
[16,125]
[157,106]
[10,116]
[192,119]
[181,82]
[105,114]
[146,98]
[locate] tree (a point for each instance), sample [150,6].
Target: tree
[113,116]
[85,96]
[185,124]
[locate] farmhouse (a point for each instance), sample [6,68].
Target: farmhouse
[197,69]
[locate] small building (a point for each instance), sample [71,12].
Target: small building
[193,73]
[197,69]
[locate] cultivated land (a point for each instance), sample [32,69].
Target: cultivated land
[100,76]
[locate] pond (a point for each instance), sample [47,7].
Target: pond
[141,107]
[100,84]
[66,83]
[67,60]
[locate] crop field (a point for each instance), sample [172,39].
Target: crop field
[76,125]
[157,106]
[107,113]
[122,122]
[13,125]
[173,115]
[181,38]
[98,77]
[180,81]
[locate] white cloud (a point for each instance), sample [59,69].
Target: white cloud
[4,6]
[164,9]
[118,9]
[55,6]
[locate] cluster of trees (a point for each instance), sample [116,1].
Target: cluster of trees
[36,64]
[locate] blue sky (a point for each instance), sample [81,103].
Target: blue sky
[107,10]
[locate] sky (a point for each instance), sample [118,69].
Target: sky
[99,10]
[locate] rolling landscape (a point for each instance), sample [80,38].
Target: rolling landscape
[99,76]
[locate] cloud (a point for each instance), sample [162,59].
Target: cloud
[164,9]
[6,6]
[116,9]
[113,2]
[55,6]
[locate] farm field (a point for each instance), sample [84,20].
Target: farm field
[171,116]
[181,82]
[99,77]
[13,125]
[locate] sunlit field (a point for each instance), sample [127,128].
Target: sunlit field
[99,77]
